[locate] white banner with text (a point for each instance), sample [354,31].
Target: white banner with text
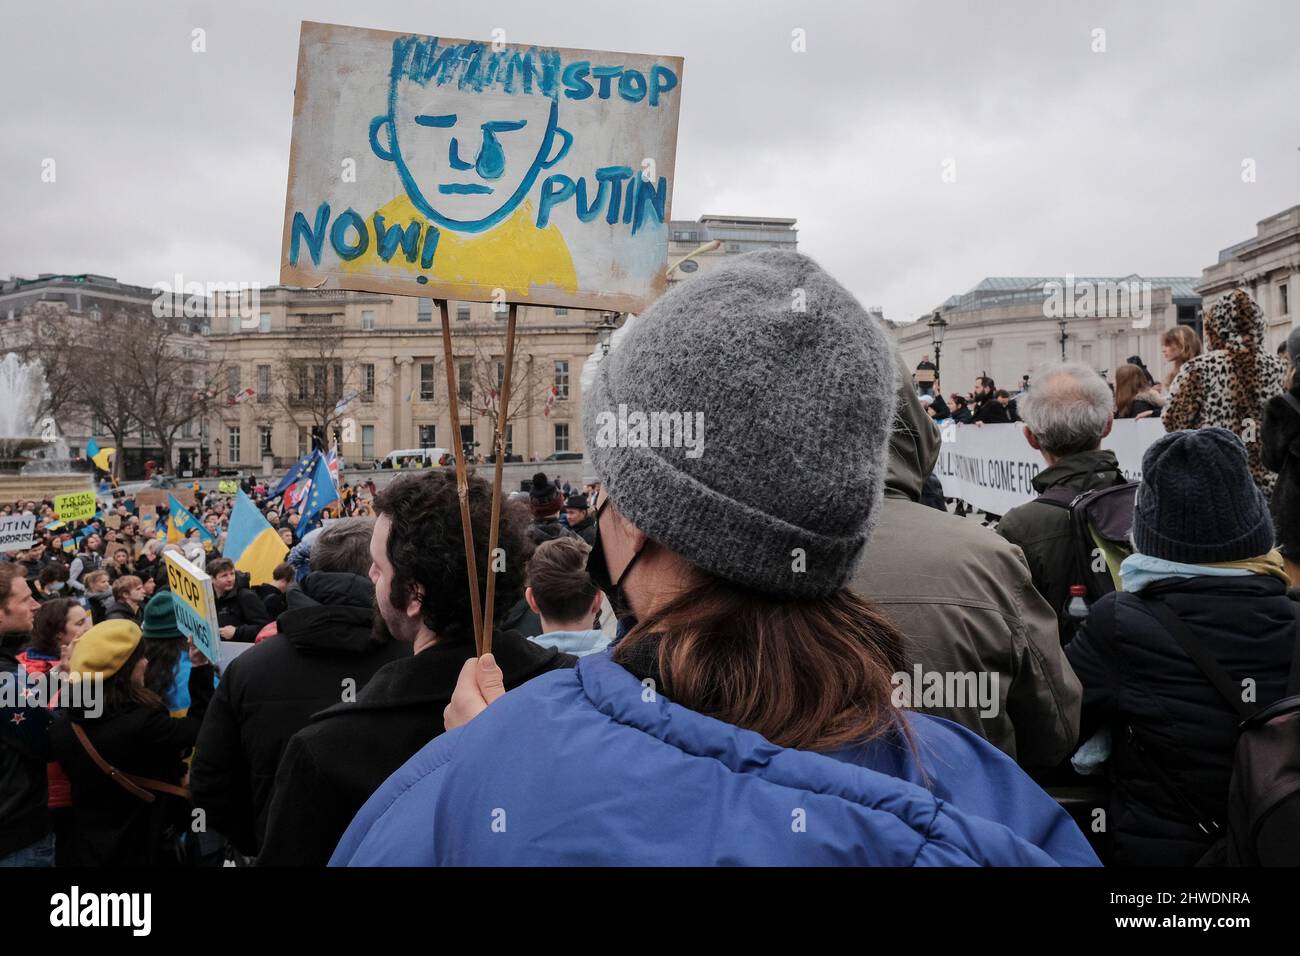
[992,466]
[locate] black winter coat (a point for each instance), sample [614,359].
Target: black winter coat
[241,608]
[1135,674]
[332,766]
[1281,453]
[586,530]
[273,599]
[97,605]
[269,693]
[991,412]
[24,752]
[115,610]
[114,827]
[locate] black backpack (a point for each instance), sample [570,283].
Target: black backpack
[1263,822]
[1100,522]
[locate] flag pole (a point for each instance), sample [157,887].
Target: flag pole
[503,413]
[462,480]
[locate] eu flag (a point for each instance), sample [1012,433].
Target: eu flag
[322,494]
[294,474]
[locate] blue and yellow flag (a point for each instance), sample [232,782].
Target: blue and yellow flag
[99,455]
[252,543]
[180,523]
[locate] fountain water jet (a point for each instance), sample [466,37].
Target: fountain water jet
[22,392]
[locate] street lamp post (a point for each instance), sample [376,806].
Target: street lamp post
[605,331]
[1061,322]
[938,325]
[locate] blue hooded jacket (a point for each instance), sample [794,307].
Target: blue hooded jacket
[588,767]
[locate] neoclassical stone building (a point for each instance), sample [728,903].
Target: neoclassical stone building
[1007,327]
[1267,266]
[368,371]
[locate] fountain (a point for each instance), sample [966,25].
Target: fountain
[22,432]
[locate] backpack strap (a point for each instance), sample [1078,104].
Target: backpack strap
[136,786]
[1205,822]
[1293,679]
[1062,496]
[1228,689]
[1059,497]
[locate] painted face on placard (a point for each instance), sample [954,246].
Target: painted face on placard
[467,160]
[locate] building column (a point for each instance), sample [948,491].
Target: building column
[401,409]
[1293,291]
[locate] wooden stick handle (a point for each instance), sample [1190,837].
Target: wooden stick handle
[503,413]
[462,480]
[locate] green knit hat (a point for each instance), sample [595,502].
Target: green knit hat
[160,618]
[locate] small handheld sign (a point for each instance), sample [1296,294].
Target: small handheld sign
[17,532]
[196,611]
[77,506]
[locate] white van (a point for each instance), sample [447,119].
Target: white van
[407,457]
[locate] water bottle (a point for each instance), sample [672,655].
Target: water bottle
[1077,609]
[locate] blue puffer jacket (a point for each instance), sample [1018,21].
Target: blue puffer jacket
[576,768]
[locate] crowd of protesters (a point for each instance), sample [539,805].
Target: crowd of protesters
[698,660]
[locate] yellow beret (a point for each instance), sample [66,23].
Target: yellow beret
[104,648]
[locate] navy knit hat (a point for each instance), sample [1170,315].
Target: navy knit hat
[1197,503]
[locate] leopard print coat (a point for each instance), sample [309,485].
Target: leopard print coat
[1229,384]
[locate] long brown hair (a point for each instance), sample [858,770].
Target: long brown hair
[163,655]
[1129,383]
[121,693]
[806,674]
[1187,342]
[51,618]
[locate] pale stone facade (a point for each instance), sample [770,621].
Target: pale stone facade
[1267,267]
[1003,329]
[736,235]
[386,354]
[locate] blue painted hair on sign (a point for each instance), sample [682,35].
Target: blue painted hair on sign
[474,66]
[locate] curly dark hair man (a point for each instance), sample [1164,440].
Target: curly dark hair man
[417,554]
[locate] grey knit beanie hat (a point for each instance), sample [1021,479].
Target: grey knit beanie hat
[784,388]
[1174,519]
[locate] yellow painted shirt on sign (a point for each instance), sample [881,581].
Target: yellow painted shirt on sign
[515,253]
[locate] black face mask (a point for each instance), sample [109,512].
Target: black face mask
[598,568]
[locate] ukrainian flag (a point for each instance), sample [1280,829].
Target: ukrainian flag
[252,543]
[99,455]
[180,523]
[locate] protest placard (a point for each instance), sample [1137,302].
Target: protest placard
[196,611]
[992,467]
[17,532]
[78,506]
[482,171]
[146,500]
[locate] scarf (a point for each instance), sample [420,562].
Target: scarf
[1141,570]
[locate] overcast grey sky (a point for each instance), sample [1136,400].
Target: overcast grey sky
[1066,160]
